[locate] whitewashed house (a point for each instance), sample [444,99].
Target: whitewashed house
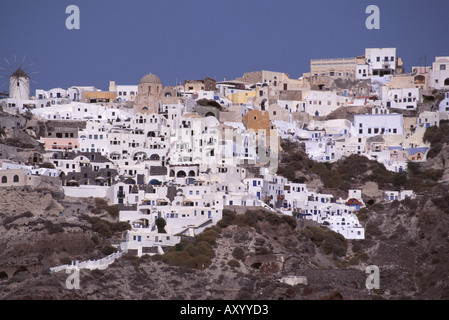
[366,125]
[439,74]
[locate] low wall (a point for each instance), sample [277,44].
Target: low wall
[86,191]
[91,264]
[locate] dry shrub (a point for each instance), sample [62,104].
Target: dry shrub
[238,253]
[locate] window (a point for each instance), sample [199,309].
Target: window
[4,179]
[442,67]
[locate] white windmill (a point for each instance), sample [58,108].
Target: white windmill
[19,85]
[19,80]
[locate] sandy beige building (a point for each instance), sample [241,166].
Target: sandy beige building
[148,98]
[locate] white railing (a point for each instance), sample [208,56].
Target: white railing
[92,264]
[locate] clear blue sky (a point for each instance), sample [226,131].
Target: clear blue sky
[192,39]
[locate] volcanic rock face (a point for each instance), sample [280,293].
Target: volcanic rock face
[253,253]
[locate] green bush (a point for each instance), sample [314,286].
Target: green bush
[107,250]
[184,259]
[208,235]
[161,223]
[227,218]
[120,226]
[113,210]
[102,204]
[196,253]
[204,248]
[106,228]
[53,228]
[249,218]
[233,263]
[316,234]
[372,230]
[353,261]
[329,241]
[362,256]
[102,228]
[334,243]
[238,253]
[437,135]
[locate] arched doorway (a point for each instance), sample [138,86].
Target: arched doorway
[419,79]
[181,174]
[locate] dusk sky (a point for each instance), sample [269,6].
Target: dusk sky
[192,39]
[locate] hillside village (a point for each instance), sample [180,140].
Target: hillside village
[172,158]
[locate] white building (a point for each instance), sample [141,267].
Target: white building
[444,104]
[124,92]
[404,99]
[398,195]
[381,61]
[321,103]
[439,74]
[81,111]
[428,119]
[366,125]
[94,138]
